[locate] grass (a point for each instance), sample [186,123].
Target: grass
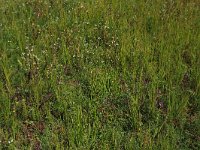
[99,74]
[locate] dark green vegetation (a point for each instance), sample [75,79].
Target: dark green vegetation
[99,74]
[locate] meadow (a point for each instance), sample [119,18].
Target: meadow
[100,74]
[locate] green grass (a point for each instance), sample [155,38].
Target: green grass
[99,74]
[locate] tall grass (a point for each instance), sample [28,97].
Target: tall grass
[99,74]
